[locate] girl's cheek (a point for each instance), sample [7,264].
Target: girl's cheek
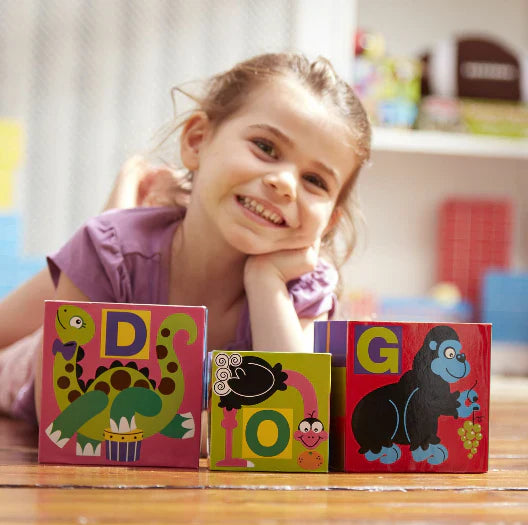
[320,221]
[304,241]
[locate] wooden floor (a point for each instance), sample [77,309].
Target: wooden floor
[59,494]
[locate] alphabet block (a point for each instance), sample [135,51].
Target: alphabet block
[408,397]
[122,384]
[269,411]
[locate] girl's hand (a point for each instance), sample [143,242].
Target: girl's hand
[140,183]
[275,325]
[284,265]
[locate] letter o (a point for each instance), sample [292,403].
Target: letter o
[283,433]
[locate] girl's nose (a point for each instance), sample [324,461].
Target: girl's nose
[283,183]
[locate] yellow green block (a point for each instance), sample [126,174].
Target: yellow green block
[270,411]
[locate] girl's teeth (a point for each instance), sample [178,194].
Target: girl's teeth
[256,207]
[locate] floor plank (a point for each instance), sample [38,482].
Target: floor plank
[243,506]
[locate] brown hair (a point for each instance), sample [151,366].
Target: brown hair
[226,92]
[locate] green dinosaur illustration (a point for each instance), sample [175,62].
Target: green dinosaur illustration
[120,399]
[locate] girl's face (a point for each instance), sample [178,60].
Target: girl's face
[269,176]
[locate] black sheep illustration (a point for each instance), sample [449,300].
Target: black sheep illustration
[248,381]
[407,412]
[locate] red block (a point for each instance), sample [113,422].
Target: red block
[408,397]
[473,237]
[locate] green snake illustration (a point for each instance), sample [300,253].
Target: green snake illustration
[120,399]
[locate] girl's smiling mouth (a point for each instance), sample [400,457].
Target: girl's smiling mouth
[261,210]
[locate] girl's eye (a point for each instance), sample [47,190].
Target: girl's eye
[267,147]
[316,180]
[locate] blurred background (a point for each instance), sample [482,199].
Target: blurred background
[86,83]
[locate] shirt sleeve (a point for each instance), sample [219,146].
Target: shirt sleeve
[94,261]
[313,293]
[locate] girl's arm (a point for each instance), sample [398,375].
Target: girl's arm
[142,184]
[125,193]
[22,311]
[275,325]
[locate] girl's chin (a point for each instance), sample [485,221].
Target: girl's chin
[249,244]
[250,249]
[253,243]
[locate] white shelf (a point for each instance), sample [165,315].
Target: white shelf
[443,143]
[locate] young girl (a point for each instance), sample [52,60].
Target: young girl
[270,157]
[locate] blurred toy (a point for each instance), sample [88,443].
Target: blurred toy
[443,304]
[446,293]
[479,117]
[505,304]
[423,309]
[137,395]
[475,67]
[369,44]
[391,383]
[474,84]
[269,411]
[441,114]
[474,236]
[358,305]
[389,87]
[500,118]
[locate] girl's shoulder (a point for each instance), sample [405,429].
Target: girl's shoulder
[111,255]
[140,218]
[135,227]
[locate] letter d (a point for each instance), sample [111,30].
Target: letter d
[126,334]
